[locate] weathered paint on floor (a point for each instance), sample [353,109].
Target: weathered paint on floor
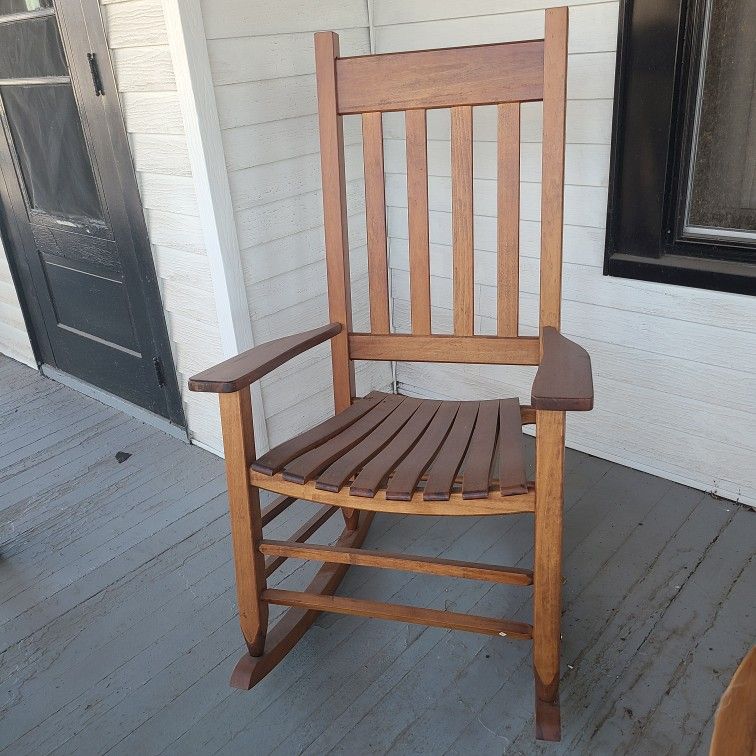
[118,626]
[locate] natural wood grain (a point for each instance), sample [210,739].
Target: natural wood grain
[512,476]
[377,469]
[335,476]
[735,720]
[244,510]
[312,463]
[508,220]
[300,535]
[564,380]
[275,460]
[483,75]
[482,350]
[237,372]
[334,215]
[401,613]
[375,217]
[547,570]
[278,505]
[480,454]
[552,181]
[455,505]
[292,626]
[402,485]
[462,219]
[443,471]
[417,220]
[408,563]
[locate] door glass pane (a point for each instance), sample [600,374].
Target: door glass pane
[49,142]
[21,6]
[722,182]
[31,48]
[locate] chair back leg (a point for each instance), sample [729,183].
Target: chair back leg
[547,570]
[246,519]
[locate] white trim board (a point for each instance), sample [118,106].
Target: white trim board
[196,95]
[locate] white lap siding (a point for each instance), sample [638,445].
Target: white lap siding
[14,340]
[141,58]
[674,367]
[262,61]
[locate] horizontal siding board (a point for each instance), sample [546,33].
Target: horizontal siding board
[134,24]
[174,194]
[144,69]
[262,143]
[152,113]
[593,28]
[275,56]
[161,153]
[269,182]
[389,12]
[261,17]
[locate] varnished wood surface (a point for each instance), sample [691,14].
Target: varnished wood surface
[564,380]
[455,505]
[375,222]
[482,350]
[457,433]
[119,628]
[237,372]
[402,613]
[508,219]
[481,75]
[417,220]
[331,132]
[387,561]
[735,721]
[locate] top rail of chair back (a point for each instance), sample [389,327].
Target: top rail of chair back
[480,75]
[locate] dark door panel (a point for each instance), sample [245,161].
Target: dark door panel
[73,221]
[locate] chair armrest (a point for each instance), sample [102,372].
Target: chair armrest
[237,372]
[564,380]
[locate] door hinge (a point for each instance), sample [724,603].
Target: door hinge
[159,371]
[95,71]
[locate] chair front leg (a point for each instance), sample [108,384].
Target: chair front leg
[547,570]
[246,523]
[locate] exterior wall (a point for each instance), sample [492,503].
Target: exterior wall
[137,38]
[262,62]
[674,367]
[14,341]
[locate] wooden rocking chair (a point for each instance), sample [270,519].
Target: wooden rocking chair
[389,453]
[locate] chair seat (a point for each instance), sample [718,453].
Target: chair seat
[394,448]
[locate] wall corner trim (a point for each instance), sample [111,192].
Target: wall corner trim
[194,83]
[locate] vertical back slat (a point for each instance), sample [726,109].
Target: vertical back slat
[462,218]
[334,216]
[508,211]
[375,215]
[417,217]
[552,189]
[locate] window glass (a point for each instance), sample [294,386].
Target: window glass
[49,142]
[722,184]
[31,48]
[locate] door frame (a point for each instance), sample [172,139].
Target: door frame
[82,31]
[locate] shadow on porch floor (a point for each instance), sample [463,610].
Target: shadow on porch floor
[118,629]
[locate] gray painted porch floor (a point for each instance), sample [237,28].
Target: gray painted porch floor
[118,627]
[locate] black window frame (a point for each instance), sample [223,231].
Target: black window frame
[656,79]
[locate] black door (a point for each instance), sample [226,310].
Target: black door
[70,208]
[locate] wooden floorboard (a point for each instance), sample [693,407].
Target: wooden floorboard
[118,627]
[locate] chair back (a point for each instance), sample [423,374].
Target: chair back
[459,79]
